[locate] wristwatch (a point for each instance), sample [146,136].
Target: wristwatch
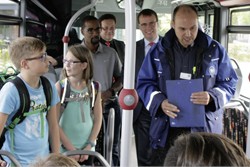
[92,144]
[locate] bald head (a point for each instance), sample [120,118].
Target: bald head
[186,9]
[185,24]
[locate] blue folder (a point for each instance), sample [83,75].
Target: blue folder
[179,93]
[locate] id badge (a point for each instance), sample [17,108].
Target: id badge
[185,76]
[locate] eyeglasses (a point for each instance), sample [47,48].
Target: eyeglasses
[150,24]
[106,28]
[70,62]
[42,58]
[91,30]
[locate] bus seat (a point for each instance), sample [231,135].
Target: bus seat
[239,74]
[58,72]
[51,74]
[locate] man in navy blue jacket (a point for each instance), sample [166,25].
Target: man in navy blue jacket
[183,49]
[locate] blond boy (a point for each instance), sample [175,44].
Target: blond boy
[31,137]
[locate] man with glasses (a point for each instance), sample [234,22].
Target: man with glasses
[107,70]
[148,24]
[108,26]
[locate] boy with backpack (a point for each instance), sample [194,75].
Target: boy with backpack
[29,134]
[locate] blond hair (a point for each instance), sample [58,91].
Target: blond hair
[54,160]
[23,48]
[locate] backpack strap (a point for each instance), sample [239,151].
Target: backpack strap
[24,102]
[95,89]
[47,90]
[65,92]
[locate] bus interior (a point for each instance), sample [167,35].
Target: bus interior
[227,21]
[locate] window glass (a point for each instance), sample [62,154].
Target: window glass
[240,16]
[239,49]
[239,46]
[8,8]
[7,34]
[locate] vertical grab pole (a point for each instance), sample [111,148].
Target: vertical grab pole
[128,97]
[248,129]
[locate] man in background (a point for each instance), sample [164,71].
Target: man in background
[148,24]
[108,26]
[107,70]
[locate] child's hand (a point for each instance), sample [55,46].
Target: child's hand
[85,157]
[3,163]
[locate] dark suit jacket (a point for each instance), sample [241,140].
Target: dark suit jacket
[140,55]
[119,47]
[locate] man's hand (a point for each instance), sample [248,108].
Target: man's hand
[106,95]
[200,98]
[169,109]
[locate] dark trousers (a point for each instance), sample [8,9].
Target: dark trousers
[117,129]
[159,155]
[141,130]
[146,155]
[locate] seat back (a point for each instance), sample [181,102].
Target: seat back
[239,75]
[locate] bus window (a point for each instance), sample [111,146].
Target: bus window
[9,29]
[239,44]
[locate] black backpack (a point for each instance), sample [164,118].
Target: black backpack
[24,102]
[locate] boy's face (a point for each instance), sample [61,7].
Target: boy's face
[38,63]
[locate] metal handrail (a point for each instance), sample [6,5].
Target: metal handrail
[91,153]
[110,135]
[11,157]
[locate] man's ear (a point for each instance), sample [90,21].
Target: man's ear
[82,30]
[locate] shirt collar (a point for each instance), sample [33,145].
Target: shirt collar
[146,42]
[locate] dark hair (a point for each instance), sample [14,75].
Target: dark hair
[107,17]
[88,18]
[147,12]
[184,6]
[205,149]
[73,38]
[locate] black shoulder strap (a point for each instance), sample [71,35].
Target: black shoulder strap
[24,102]
[47,90]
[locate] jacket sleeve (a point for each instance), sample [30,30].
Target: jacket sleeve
[225,81]
[148,87]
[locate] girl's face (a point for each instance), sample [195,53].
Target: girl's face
[73,66]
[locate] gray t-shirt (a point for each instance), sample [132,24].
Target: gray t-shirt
[106,65]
